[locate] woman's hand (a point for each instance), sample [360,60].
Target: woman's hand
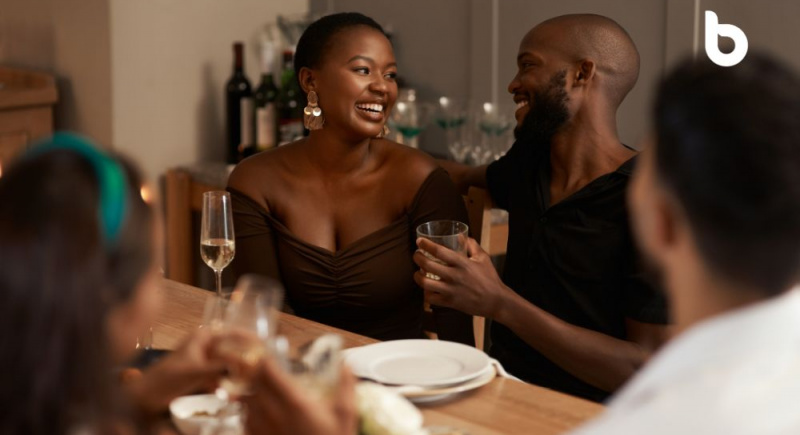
[280,406]
[190,368]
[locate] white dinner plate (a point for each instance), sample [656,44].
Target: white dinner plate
[425,363]
[419,394]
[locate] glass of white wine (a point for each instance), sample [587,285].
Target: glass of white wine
[249,326]
[217,243]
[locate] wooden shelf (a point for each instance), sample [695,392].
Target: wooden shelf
[26,109]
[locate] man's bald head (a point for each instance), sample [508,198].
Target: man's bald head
[597,38]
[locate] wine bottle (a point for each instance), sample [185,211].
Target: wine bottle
[265,99]
[290,103]
[239,108]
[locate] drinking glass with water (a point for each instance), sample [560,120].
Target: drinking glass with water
[450,234]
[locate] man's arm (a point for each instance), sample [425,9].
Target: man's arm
[598,359]
[473,286]
[464,176]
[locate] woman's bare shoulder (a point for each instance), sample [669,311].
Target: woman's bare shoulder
[408,163]
[407,170]
[261,175]
[264,166]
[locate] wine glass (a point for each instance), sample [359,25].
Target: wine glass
[410,117]
[493,124]
[217,244]
[247,333]
[249,328]
[144,341]
[214,311]
[451,115]
[318,366]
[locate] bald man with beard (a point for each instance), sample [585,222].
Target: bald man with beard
[572,311]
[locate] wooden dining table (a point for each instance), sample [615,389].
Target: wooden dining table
[504,406]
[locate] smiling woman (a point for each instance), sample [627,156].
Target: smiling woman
[333,215]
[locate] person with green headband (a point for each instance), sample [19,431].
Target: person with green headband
[80,252]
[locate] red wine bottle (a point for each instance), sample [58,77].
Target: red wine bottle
[239,108]
[264,97]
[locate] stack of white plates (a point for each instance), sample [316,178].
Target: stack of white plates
[422,370]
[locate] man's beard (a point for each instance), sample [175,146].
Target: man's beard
[547,114]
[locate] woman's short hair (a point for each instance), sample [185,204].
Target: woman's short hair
[317,38]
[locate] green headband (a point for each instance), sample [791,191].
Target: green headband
[111,179]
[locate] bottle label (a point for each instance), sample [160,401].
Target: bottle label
[265,126]
[246,107]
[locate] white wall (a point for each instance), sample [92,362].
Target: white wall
[145,77]
[82,54]
[170,60]
[70,39]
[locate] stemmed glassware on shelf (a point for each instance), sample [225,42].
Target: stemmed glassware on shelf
[409,116]
[494,125]
[474,135]
[217,243]
[451,116]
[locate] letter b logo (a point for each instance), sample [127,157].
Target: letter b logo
[713,31]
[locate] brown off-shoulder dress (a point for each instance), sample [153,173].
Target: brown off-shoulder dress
[367,287]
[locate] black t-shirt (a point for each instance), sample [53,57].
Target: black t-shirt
[576,260]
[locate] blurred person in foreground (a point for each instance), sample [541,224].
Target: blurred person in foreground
[716,210]
[80,251]
[572,311]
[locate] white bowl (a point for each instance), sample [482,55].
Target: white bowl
[185,412]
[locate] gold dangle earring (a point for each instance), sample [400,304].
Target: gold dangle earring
[384,132]
[312,114]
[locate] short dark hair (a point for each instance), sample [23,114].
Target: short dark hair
[59,281]
[728,147]
[317,38]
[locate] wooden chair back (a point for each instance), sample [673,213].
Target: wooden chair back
[479,210]
[184,196]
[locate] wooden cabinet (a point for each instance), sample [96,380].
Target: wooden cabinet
[26,109]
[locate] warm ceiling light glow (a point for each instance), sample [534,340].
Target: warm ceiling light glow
[1,170]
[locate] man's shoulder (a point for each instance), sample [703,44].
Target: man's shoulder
[520,163]
[703,405]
